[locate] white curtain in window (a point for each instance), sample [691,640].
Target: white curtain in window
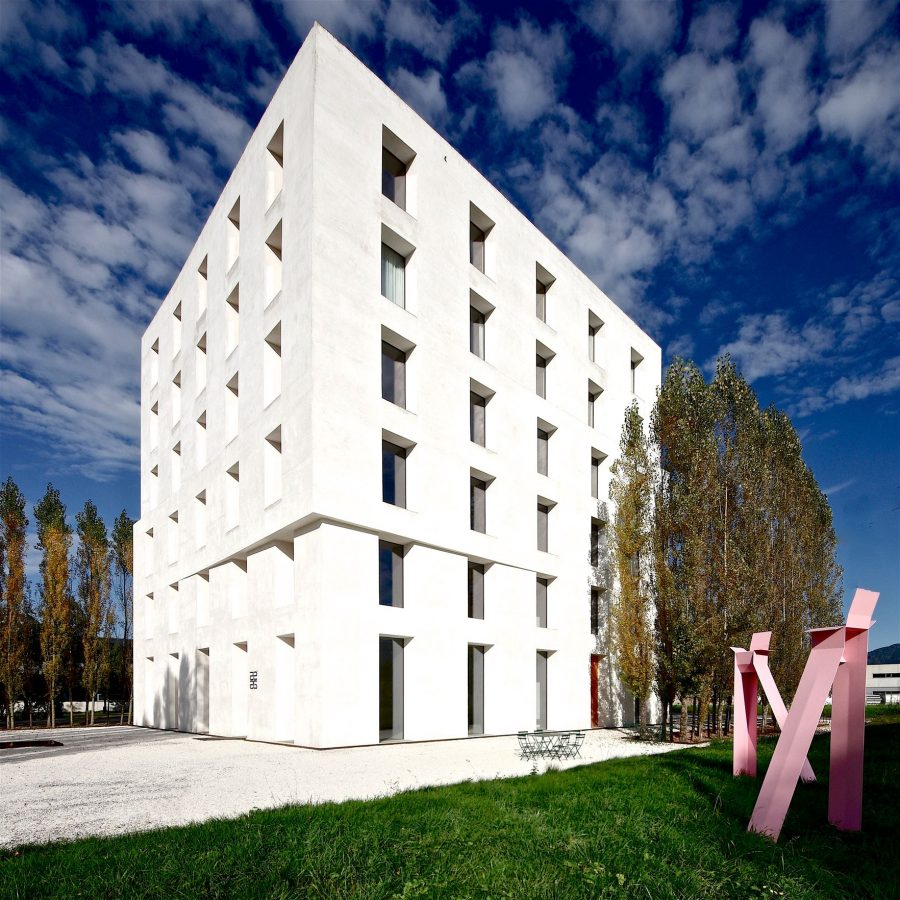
[393,276]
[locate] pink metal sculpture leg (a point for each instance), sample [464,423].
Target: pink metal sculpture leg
[800,726]
[770,689]
[848,718]
[745,693]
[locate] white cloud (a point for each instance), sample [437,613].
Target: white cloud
[525,70]
[704,97]
[715,30]
[864,109]
[784,100]
[417,23]
[423,93]
[851,23]
[874,384]
[148,151]
[179,21]
[635,29]
[343,18]
[769,344]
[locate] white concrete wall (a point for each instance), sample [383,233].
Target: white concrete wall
[307,564]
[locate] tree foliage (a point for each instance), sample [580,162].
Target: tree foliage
[739,535]
[631,491]
[54,542]
[92,566]
[15,621]
[122,548]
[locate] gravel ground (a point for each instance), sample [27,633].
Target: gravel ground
[116,779]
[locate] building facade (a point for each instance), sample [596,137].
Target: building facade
[378,413]
[883,683]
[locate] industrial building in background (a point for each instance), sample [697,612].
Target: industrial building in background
[378,410]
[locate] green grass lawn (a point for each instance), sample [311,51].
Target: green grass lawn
[665,826]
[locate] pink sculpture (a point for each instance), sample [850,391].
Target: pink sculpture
[751,667]
[838,657]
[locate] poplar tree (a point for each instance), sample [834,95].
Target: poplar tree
[54,541]
[92,565]
[15,623]
[631,491]
[123,563]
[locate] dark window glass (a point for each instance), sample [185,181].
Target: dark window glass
[541,301]
[595,610]
[596,541]
[390,689]
[393,474]
[393,374]
[393,178]
[390,574]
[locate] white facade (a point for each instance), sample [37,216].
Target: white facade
[257,595]
[883,683]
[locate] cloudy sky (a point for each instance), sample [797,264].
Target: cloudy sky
[727,173]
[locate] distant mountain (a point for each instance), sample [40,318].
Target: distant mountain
[883,655]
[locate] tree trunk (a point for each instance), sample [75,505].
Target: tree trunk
[71,709]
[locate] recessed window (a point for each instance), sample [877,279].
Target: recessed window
[393,374]
[173,536]
[636,360]
[154,363]
[597,459]
[275,165]
[232,495]
[176,331]
[390,574]
[200,439]
[480,227]
[200,362]
[541,691]
[598,541]
[543,525]
[478,504]
[202,286]
[176,397]
[200,519]
[273,265]
[272,466]
[393,178]
[393,276]
[543,356]
[476,331]
[232,320]
[595,610]
[476,689]
[477,419]
[396,161]
[594,326]
[176,466]
[154,425]
[543,282]
[390,689]
[232,392]
[594,392]
[272,365]
[543,451]
[541,602]
[476,246]
[393,474]
[233,234]
[476,590]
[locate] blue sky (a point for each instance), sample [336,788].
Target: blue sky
[727,173]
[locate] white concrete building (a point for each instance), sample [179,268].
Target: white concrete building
[378,413]
[883,683]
